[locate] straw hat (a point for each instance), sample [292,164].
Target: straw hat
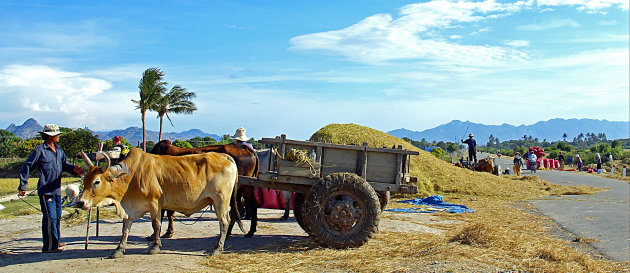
[240,135]
[51,130]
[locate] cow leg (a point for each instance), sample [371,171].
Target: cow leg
[170,215]
[221,210]
[287,205]
[155,248]
[252,209]
[122,245]
[152,237]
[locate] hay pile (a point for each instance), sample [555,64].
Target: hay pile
[437,176]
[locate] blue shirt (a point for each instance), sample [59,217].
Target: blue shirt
[50,165]
[472,144]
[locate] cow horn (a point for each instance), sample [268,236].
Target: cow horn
[88,162]
[109,162]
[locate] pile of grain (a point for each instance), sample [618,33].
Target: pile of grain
[437,176]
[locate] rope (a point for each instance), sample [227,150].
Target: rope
[180,221]
[28,202]
[299,157]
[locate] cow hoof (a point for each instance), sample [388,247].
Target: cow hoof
[284,218]
[151,238]
[249,235]
[168,234]
[154,250]
[115,255]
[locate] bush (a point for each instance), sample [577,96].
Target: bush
[181,144]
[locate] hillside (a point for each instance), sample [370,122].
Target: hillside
[133,135]
[435,175]
[551,130]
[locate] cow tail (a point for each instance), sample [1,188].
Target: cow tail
[235,206]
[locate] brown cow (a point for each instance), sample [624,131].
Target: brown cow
[247,163]
[144,183]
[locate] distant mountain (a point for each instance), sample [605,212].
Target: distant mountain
[132,134]
[551,130]
[28,129]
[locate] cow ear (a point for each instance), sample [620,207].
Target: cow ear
[119,170]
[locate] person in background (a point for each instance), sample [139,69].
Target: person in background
[532,161]
[598,160]
[118,151]
[518,162]
[578,161]
[51,161]
[571,161]
[472,148]
[561,160]
[610,157]
[241,139]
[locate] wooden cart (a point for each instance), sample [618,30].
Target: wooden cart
[339,197]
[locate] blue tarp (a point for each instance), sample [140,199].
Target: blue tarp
[432,204]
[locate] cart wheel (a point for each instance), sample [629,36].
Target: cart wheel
[298,204]
[341,211]
[383,199]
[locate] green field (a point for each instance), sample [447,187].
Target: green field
[10,185]
[18,208]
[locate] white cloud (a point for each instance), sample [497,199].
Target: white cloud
[381,38]
[556,23]
[517,43]
[454,37]
[588,5]
[50,92]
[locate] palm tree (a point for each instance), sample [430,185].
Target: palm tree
[151,90]
[177,101]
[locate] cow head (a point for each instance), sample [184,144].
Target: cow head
[101,185]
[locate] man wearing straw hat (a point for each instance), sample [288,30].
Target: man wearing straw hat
[51,161]
[472,148]
[240,138]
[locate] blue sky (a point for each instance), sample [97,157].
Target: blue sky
[292,67]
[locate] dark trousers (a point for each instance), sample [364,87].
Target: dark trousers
[51,210]
[472,156]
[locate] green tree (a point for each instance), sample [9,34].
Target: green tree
[76,141]
[24,148]
[150,145]
[152,87]
[200,142]
[182,144]
[177,101]
[8,143]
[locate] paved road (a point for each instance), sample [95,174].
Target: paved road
[603,216]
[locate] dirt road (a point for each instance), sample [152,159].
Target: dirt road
[20,242]
[602,216]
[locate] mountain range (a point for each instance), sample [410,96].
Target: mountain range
[551,130]
[133,135]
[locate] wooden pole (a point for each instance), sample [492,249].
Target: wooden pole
[98,213]
[87,232]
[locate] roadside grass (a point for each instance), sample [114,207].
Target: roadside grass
[10,185]
[500,235]
[71,217]
[78,216]
[15,208]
